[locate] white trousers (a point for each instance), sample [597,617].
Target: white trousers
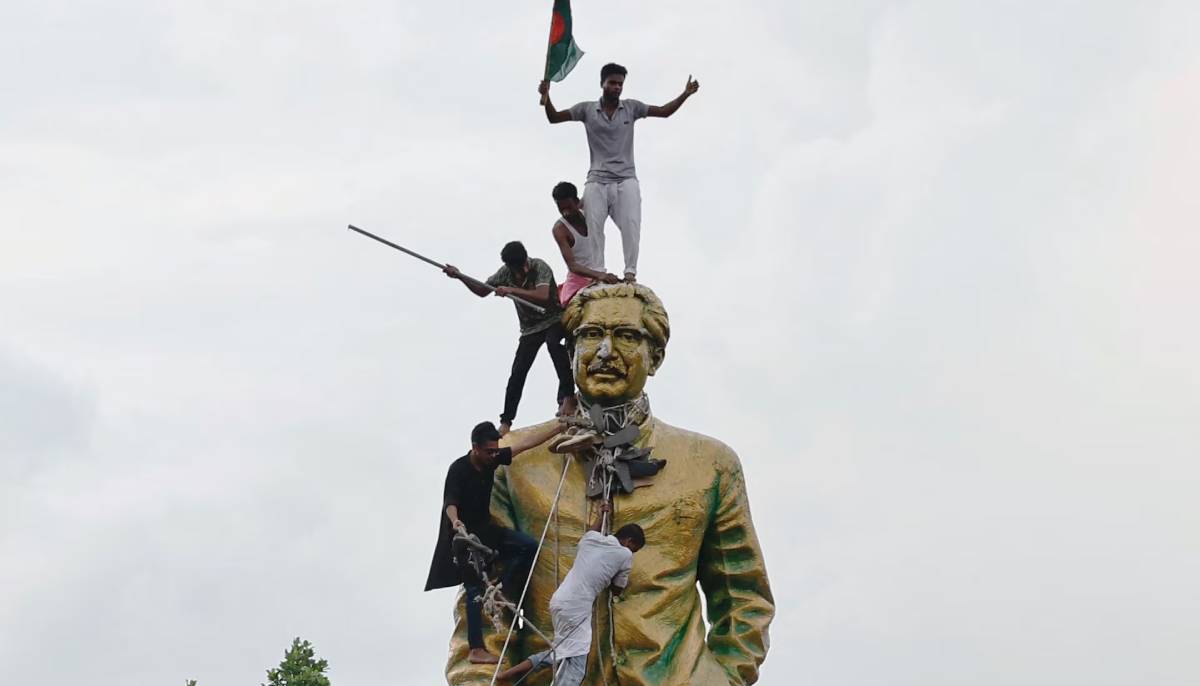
[621,200]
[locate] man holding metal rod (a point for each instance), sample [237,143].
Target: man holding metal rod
[530,279]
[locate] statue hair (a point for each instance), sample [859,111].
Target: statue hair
[654,315]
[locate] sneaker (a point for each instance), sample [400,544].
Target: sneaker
[575,442]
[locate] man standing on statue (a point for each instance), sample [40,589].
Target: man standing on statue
[612,188]
[696,506]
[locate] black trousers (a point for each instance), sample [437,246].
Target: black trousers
[527,349]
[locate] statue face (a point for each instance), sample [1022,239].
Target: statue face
[613,352]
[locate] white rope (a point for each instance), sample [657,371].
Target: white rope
[517,615]
[612,620]
[608,477]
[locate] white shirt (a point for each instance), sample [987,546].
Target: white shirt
[600,561]
[587,249]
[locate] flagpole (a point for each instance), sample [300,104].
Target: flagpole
[546,62]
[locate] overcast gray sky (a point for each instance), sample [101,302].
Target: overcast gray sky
[930,268]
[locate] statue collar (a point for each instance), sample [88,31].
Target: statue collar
[610,420]
[614,462]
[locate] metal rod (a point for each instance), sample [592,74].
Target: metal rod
[439,265]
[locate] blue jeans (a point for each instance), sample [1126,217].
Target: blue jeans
[516,553]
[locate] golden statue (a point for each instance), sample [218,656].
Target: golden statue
[695,514]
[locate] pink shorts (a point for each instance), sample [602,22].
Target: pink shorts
[571,286]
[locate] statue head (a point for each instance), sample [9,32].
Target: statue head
[619,335]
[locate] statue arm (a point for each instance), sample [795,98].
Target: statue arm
[734,579]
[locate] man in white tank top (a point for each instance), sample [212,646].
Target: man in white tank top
[583,251]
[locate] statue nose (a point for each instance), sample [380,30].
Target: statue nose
[605,349]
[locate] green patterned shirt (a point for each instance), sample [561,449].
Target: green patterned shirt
[539,273]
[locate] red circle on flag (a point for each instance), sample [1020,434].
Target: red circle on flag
[557,28]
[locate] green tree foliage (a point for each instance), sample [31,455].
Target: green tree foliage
[299,668]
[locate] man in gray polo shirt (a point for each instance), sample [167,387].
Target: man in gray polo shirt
[612,187]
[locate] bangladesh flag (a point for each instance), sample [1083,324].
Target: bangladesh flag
[563,53]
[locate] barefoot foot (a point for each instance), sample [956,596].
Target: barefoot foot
[479,656]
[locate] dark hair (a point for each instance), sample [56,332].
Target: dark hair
[610,69]
[633,532]
[514,255]
[484,432]
[564,190]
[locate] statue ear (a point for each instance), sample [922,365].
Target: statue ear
[657,355]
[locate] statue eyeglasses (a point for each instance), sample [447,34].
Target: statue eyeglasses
[625,338]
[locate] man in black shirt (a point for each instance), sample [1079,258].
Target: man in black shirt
[466,502]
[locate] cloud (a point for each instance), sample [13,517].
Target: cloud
[928,267]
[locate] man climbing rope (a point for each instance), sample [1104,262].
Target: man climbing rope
[601,562]
[581,249]
[612,188]
[532,279]
[465,505]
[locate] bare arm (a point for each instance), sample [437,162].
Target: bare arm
[472,285]
[538,294]
[452,515]
[669,108]
[602,509]
[734,579]
[534,439]
[514,672]
[552,115]
[568,253]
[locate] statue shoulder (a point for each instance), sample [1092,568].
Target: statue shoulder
[674,438]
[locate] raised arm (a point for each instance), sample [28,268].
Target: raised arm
[734,579]
[471,284]
[561,236]
[552,115]
[669,108]
[602,509]
[535,438]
